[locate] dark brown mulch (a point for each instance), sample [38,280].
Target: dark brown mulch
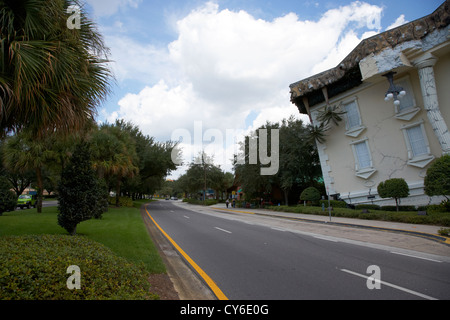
[163,287]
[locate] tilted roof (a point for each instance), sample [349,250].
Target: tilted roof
[347,74]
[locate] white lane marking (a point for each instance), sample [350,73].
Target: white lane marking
[324,238]
[186,217]
[172,211]
[223,230]
[392,285]
[278,229]
[413,256]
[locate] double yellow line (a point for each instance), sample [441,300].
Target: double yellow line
[219,294]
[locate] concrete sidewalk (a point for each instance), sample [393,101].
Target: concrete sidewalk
[425,231]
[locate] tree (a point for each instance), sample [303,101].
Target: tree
[80,195]
[51,77]
[310,194]
[23,153]
[437,180]
[114,155]
[8,199]
[299,165]
[393,188]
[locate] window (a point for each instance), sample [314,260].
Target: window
[419,153]
[407,108]
[362,155]
[407,101]
[363,159]
[417,141]
[353,121]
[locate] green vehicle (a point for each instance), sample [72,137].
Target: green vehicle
[27,200]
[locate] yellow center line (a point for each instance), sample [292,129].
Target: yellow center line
[219,294]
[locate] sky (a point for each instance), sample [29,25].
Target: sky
[190,70]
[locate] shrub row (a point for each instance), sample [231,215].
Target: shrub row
[123,201]
[435,218]
[208,202]
[35,268]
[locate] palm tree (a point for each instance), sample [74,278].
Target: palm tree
[22,153]
[114,155]
[51,77]
[331,114]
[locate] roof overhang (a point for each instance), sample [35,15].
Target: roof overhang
[392,49]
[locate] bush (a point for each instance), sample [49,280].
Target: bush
[8,198]
[208,202]
[123,201]
[367,206]
[437,180]
[35,268]
[334,203]
[310,194]
[400,208]
[393,188]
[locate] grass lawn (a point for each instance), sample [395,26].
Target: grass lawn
[120,229]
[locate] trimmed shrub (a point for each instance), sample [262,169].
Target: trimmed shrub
[334,203]
[400,208]
[310,194]
[437,180]
[8,198]
[208,202]
[367,206]
[35,268]
[393,188]
[123,201]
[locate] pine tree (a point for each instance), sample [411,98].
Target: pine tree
[79,191]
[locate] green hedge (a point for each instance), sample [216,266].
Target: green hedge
[123,201]
[433,217]
[334,203]
[208,202]
[35,268]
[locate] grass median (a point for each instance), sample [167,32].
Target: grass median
[120,229]
[39,242]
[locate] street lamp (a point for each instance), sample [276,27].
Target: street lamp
[393,92]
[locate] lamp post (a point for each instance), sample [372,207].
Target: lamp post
[394,92]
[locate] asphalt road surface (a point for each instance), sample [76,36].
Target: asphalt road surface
[255,262]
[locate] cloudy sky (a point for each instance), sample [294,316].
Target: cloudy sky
[197,69]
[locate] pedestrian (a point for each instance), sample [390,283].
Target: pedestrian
[227,202]
[234,203]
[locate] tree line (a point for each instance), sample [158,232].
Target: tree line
[129,162]
[299,164]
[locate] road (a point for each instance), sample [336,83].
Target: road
[250,261]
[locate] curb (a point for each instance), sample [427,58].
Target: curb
[440,239]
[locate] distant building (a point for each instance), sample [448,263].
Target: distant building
[377,139]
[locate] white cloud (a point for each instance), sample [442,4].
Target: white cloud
[400,21]
[225,65]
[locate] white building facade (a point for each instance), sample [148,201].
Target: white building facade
[377,139]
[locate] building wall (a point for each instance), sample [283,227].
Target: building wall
[385,138]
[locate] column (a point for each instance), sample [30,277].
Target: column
[430,99]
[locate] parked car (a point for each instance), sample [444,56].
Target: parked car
[27,201]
